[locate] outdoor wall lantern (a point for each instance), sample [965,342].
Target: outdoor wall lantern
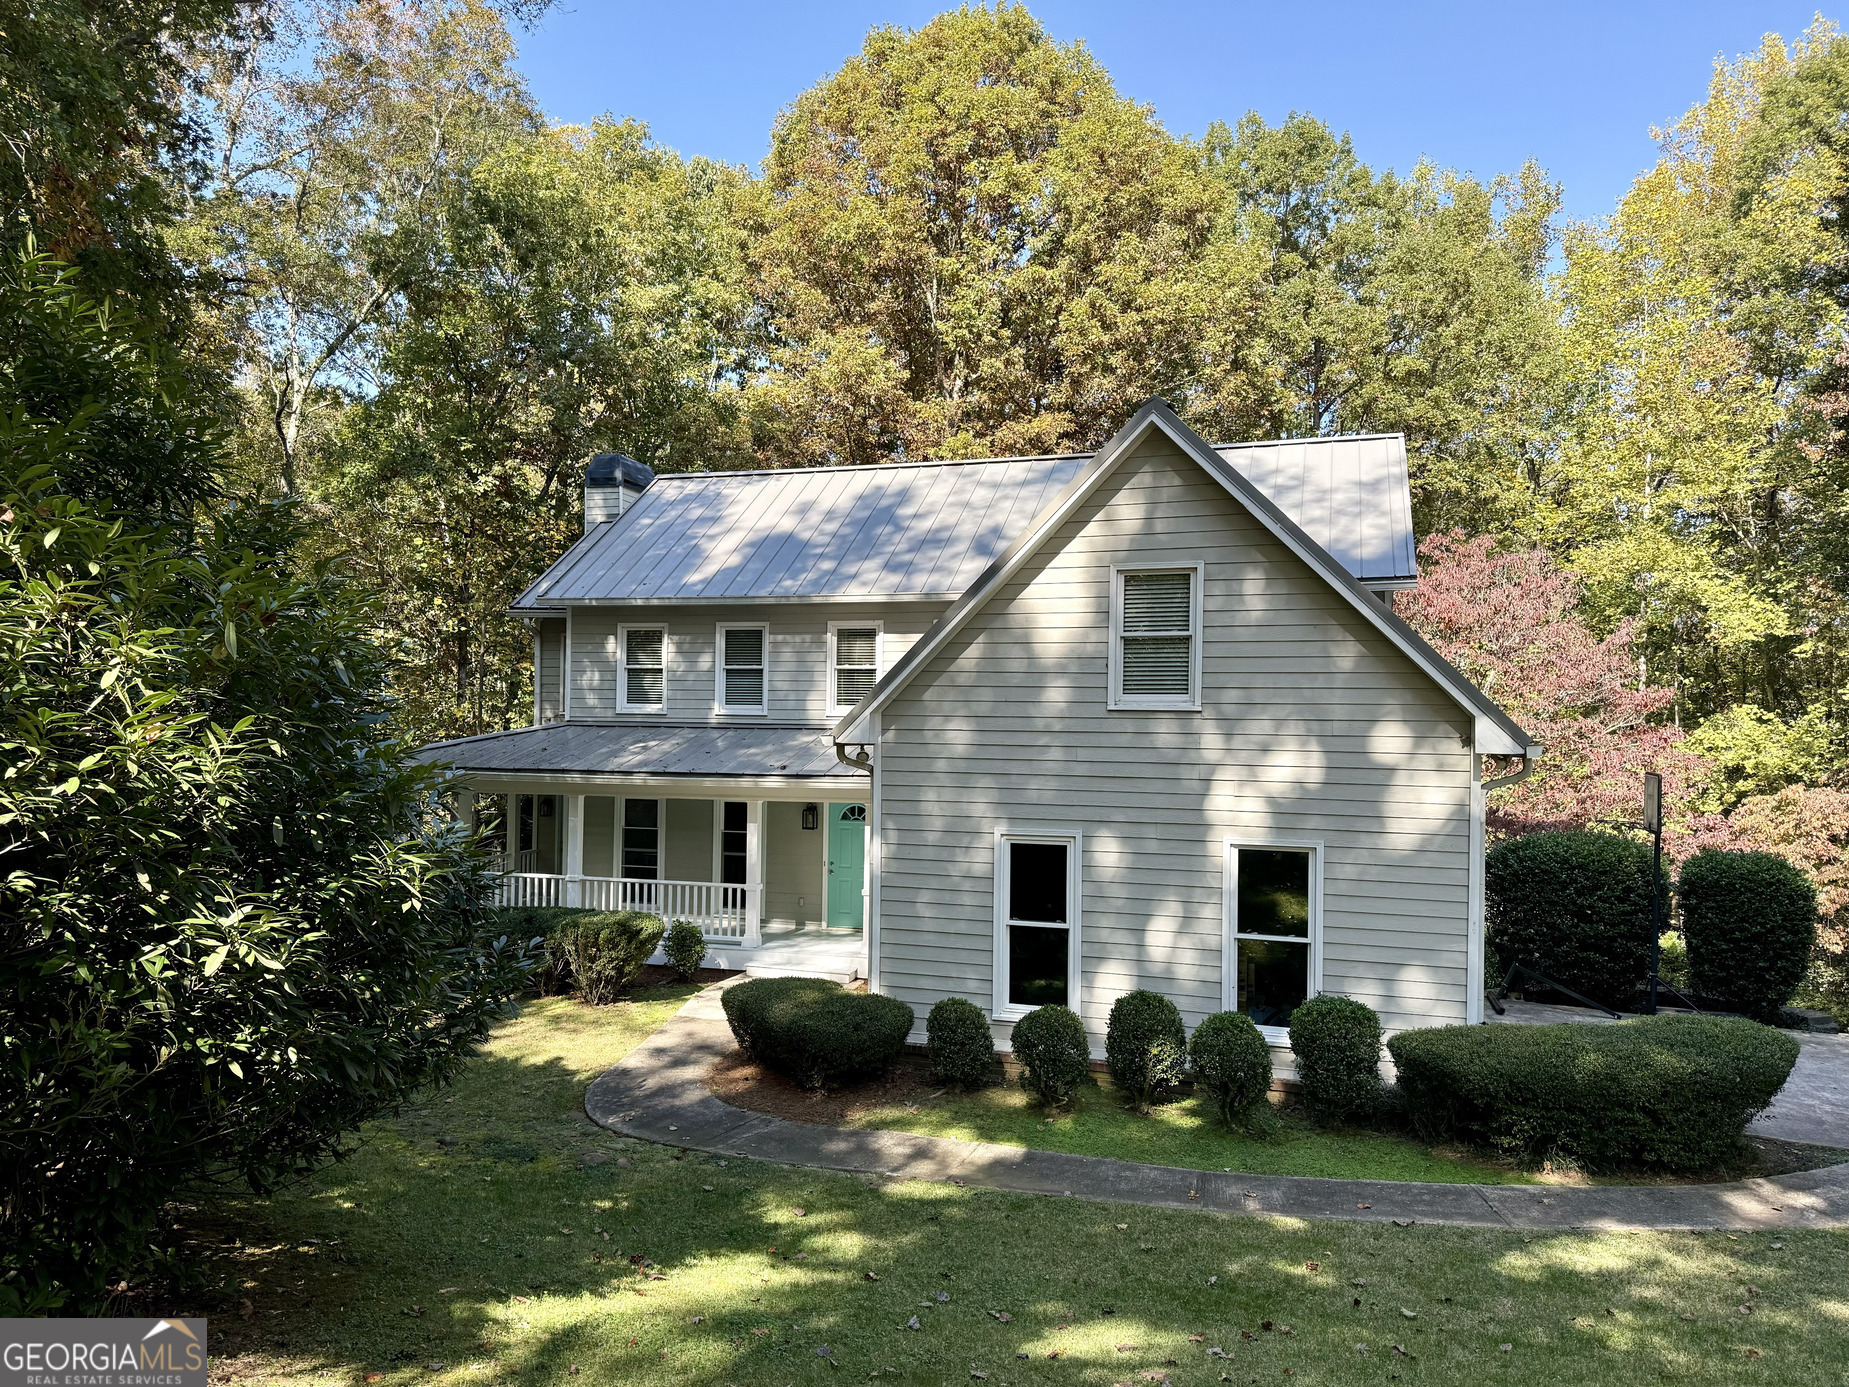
[810,816]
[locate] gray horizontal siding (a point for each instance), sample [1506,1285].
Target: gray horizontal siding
[798,671]
[1315,726]
[548,676]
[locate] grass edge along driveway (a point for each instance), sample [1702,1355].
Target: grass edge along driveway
[502,1259]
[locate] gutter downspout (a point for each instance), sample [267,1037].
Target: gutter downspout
[1529,758]
[862,762]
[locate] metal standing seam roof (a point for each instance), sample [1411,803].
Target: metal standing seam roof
[886,531]
[929,529]
[589,749]
[1352,495]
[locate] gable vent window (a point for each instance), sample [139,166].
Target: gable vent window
[855,667]
[644,674]
[742,669]
[1155,638]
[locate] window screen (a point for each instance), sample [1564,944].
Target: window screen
[644,680]
[744,667]
[1157,660]
[856,664]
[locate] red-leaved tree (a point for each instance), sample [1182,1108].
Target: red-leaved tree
[1508,620]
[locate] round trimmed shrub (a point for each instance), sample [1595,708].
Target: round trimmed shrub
[1750,922]
[1337,1044]
[1674,1092]
[685,948]
[1145,1046]
[1055,1058]
[1232,1063]
[962,1049]
[1575,907]
[815,1031]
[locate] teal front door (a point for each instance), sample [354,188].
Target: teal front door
[847,862]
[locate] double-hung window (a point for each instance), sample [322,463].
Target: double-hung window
[743,669]
[642,676]
[853,663]
[1036,922]
[1155,659]
[1273,931]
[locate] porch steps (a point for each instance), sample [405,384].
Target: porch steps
[835,957]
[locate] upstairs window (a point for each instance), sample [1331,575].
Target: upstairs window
[1156,638]
[742,669]
[643,677]
[853,664]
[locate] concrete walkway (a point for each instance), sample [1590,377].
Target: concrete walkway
[658,1094]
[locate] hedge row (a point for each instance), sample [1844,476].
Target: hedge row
[1674,1092]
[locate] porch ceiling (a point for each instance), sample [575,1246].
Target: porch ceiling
[694,752]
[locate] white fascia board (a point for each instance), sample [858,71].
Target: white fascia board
[1494,733]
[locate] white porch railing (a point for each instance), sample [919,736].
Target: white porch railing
[725,914]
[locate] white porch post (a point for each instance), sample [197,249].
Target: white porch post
[512,824]
[754,873]
[574,849]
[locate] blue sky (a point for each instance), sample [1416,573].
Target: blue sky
[1479,87]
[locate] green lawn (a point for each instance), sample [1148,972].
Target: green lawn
[1184,1134]
[490,1259]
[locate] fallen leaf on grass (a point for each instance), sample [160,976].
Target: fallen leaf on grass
[573,1370]
[1127,1348]
[873,1276]
[800,1213]
[912,1323]
[1409,1314]
[1197,1338]
[1752,1353]
[1312,1266]
[697,1319]
[433,1367]
[1508,1348]
[1002,1315]
[1122,1226]
[451,1290]
[707,1188]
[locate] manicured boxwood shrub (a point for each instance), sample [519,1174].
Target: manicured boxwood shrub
[1145,1047]
[685,949]
[1574,906]
[962,1049]
[1673,1092]
[1232,1065]
[815,1031]
[1750,923]
[1337,1044]
[598,954]
[1055,1058]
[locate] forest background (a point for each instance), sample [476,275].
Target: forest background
[1629,438]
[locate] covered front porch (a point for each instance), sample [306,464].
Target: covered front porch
[758,835]
[751,873]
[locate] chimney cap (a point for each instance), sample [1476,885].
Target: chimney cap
[617,469]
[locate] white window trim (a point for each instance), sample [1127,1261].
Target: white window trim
[1229,957]
[1002,1009]
[623,705]
[879,660]
[1116,701]
[719,703]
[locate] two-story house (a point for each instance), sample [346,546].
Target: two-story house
[1024,730]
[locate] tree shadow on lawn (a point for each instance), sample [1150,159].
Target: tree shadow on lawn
[490,1258]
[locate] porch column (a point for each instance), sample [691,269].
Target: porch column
[574,849]
[511,859]
[754,873]
[466,810]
